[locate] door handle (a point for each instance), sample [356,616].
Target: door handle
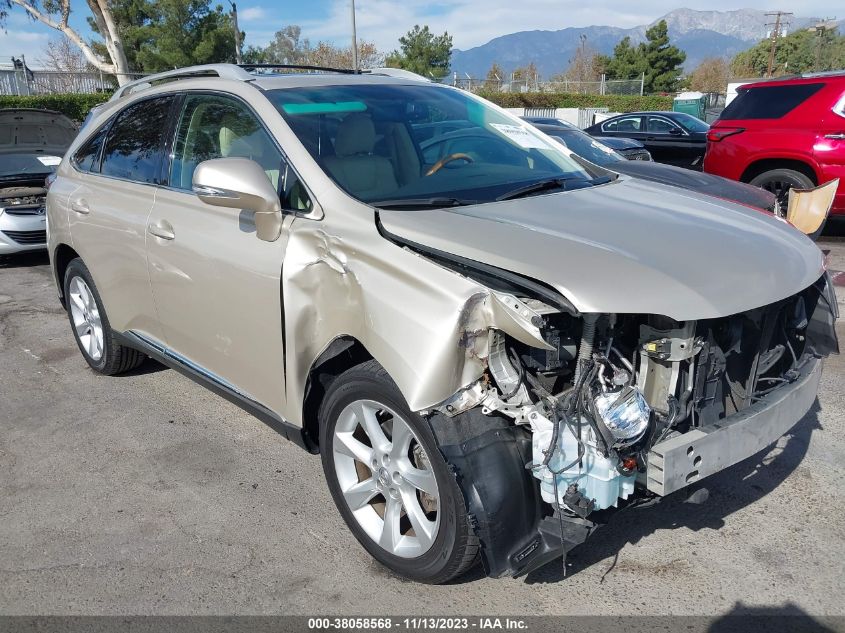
[161,229]
[80,206]
[840,136]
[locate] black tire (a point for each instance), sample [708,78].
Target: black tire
[455,547]
[780,181]
[115,358]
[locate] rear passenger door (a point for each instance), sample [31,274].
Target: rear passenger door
[118,172]
[216,285]
[668,142]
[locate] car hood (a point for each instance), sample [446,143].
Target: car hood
[696,181]
[630,246]
[35,131]
[620,142]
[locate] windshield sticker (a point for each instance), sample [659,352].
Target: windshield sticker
[49,161]
[324,108]
[521,136]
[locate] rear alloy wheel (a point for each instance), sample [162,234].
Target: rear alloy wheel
[91,327]
[780,181]
[389,481]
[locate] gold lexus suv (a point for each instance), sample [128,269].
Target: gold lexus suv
[492,343]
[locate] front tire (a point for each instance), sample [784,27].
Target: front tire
[90,324]
[389,481]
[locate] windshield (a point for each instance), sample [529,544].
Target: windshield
[586,146]
[24,165]
[693,124]
[386,143]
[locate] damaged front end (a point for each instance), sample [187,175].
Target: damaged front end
[580,413]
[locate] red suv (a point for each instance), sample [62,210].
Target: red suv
[783,134]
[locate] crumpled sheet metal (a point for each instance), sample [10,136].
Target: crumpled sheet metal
[426,325]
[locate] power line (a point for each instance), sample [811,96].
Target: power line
[779,23]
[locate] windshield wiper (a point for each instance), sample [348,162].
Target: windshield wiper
[421,203]
[550,183]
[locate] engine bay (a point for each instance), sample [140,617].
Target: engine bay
[609,387]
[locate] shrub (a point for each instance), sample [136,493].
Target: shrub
[74,106]
[615,103]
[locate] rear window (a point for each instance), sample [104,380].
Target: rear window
[133,149]
[768,102]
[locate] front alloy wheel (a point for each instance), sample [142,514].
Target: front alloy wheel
[389,481]
[386,481]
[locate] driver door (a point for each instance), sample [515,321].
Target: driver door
[216,286]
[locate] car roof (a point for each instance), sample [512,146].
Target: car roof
[797,80]
[668,113]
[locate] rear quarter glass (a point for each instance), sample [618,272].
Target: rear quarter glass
[768,102]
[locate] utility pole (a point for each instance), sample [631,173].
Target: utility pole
[779,24]
[354,40]
[238,59]
[819,29]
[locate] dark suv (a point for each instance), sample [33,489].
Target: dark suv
[783,134]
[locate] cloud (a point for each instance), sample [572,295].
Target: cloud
[252,14]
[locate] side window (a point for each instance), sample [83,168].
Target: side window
[87,157]
[133,149]
[624,124]
[213,126]
[768,102]
[659,125]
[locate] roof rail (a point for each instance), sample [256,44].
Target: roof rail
[396,72]
[824,73]
[224,71]
[325,69]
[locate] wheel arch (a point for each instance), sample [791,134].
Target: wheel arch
[343,353]
[761,165]
[63,255]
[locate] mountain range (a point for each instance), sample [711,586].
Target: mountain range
[700,34]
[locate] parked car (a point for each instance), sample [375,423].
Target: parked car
[486,352]
[32,143]
[627,147]
[674,138]
[783,134]
[596,151]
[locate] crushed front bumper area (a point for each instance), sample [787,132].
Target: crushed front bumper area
[690,457]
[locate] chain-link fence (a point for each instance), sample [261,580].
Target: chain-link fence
[601,87]
[17,79]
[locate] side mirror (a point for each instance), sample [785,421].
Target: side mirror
[674,131]
[241,183]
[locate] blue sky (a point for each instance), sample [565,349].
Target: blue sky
[471,22]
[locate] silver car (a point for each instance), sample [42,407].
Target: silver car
[32,143]
[490,347]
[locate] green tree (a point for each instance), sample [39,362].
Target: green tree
[798,52]
[169,34]
[626,62]
[423,53]
[662,60]
[656,58]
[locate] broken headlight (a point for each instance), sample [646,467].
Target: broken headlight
[625,413]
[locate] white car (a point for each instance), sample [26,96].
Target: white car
[32,143]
